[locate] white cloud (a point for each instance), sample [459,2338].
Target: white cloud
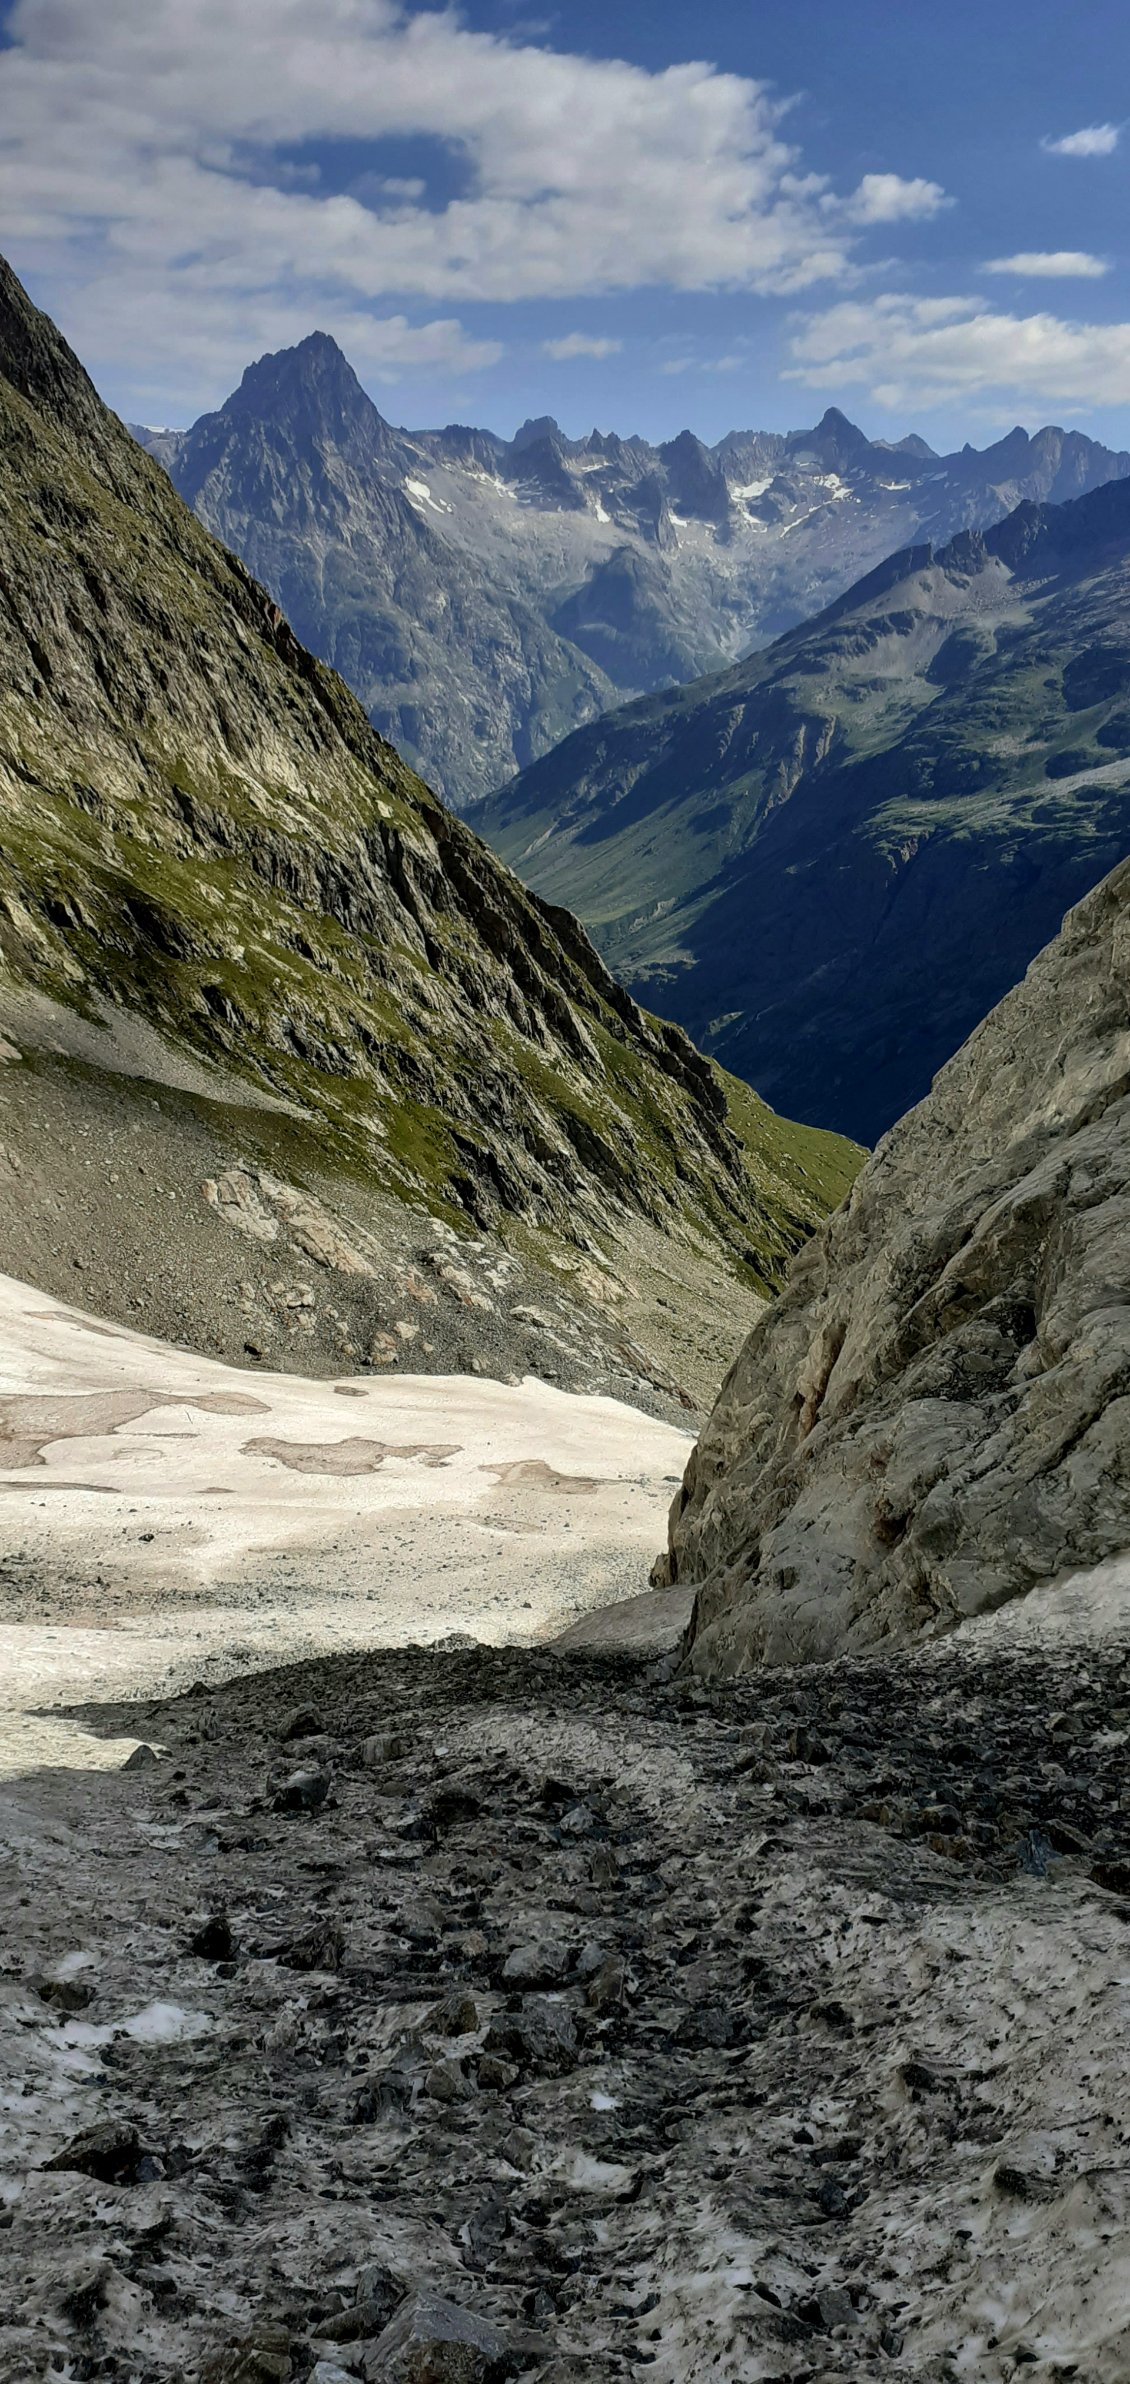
[887,198]
[183,364]
[578,343]
[705,364]
[1050,264]
[148,175]
[1095,140]
[932,351]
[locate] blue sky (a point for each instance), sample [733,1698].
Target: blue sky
[638,216]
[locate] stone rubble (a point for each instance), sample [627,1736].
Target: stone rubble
[483,2015]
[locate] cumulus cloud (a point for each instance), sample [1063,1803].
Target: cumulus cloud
[165,158]
[888,198]
[579,343]
[704,364]
[1095,140]
[1050,264]
[191,349]
[932,351]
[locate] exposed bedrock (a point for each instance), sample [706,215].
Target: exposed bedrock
[935,1414]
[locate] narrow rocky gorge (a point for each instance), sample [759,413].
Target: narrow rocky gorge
[730,1985]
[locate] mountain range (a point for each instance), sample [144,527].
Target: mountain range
[484,596]
[247,957]
[829,861]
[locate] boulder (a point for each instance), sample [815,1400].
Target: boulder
[434,2341]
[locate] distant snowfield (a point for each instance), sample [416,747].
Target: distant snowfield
[166,1517]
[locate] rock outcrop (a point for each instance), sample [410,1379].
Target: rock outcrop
[935,1414]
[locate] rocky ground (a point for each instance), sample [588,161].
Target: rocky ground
[177,1208]
[456,2016]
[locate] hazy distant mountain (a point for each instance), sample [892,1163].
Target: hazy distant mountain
[307,482]
[829,862]
[485,596]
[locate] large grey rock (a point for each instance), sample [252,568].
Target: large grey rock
[935,1414]
[434,2341]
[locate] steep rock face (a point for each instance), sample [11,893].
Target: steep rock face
[935,1414]
[829,862]
[200,829]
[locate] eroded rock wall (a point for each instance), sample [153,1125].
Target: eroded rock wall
[935,1414]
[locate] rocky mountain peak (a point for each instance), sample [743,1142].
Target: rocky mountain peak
[697,482]
[911,445]
[537,457]
[204,838]
[835,439]
[929,772]
[310,389]
[405,561]
[535,429]
[465,445]
[1041,535]
[834,424]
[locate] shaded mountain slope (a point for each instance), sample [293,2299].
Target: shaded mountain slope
[935,1414]
[203,841]
[484,596]
[829,862]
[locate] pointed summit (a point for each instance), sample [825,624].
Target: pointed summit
[696,482]
[535,428]
[835,440]
[837,425]
[311,388]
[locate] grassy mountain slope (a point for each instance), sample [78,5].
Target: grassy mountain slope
[830,861]
[202,834]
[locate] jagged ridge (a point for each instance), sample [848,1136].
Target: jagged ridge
[485,596]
